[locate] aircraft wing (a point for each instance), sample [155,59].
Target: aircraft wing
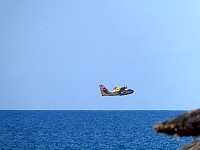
[122,89]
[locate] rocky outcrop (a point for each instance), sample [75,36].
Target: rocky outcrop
[187,124]
[195,145]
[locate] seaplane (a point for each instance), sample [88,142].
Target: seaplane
[117,91]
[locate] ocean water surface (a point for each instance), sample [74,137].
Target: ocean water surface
[82,130]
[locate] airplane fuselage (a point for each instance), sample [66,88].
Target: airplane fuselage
[126,92]
[117,91]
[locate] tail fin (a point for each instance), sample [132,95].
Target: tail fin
[104,91]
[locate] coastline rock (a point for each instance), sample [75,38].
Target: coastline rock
[187,124]
[195,145]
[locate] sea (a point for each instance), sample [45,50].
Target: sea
[86,129]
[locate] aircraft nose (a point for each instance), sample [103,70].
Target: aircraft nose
[131,91]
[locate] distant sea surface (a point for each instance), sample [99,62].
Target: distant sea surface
[83,130]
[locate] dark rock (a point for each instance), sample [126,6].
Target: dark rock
[187,124]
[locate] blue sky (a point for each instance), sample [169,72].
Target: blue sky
[54,54]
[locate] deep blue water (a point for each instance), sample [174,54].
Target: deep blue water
[86,130]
